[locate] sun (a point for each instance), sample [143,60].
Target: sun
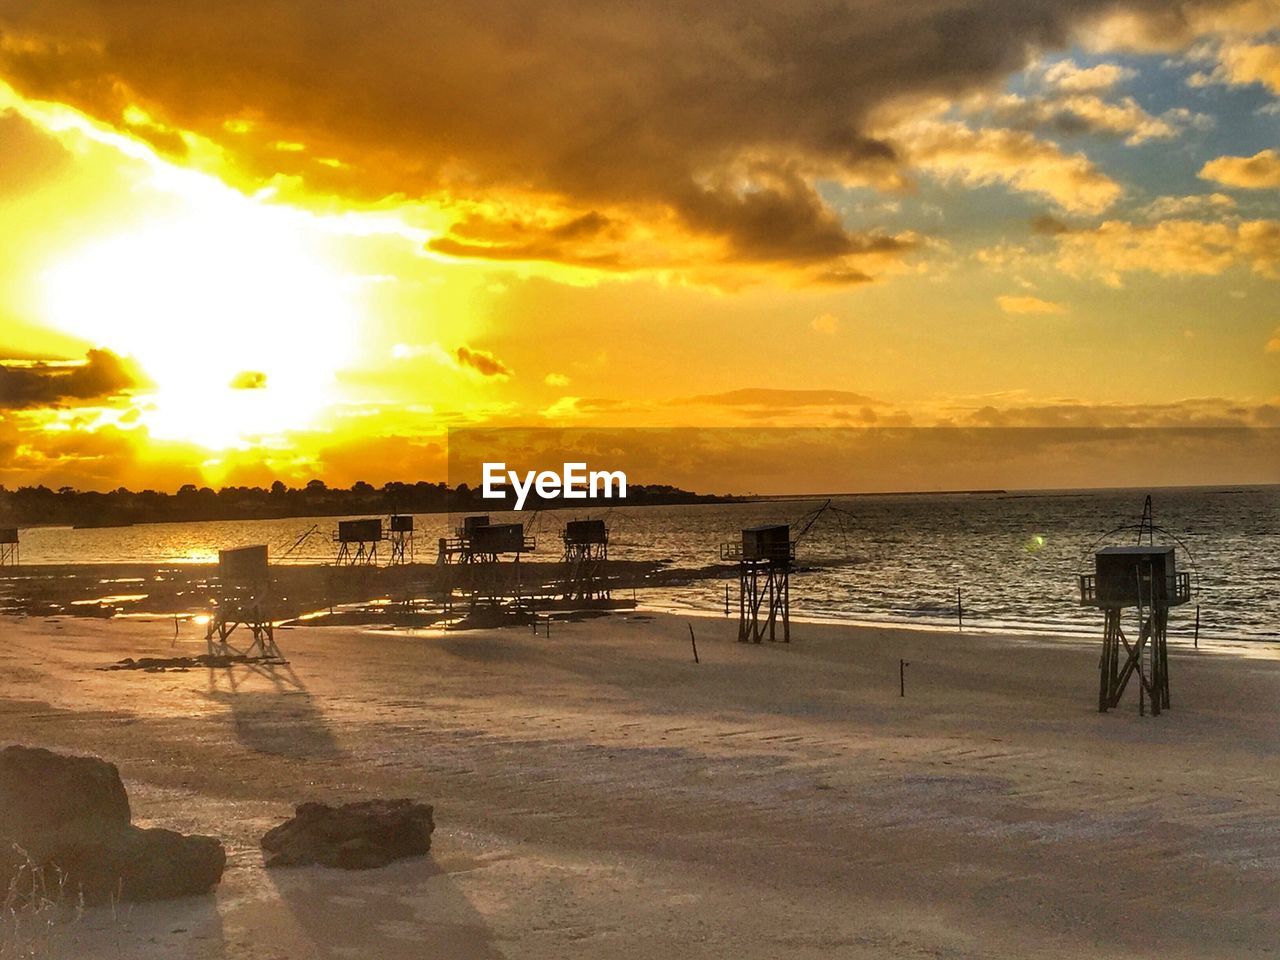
[234,307]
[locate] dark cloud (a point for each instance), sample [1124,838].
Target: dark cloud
[1048,226]
[781,218]
[102,375]
[715,117]
[482,362]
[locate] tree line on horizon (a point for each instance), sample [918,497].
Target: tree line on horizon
[40,505]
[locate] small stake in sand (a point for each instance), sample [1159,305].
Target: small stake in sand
[959,609]
[1197,626]
[694,641]
[726,599]
[902,677]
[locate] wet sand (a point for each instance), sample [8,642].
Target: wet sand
[597,794]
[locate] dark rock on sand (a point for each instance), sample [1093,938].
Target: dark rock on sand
[354,836]
[128,863]
[69,817]
[41,790]
[161,664]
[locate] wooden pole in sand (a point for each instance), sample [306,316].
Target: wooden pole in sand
[694,641]
[902,677]
[726,599]
[959,609]
[1197,626]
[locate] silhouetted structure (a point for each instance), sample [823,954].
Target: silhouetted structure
[10,555]
[457,549]
[358,541]
[1143,577]
[585,559]
[764,559]
[401,539]
[480,545]
[244,586]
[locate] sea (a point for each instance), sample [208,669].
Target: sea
[1003,560]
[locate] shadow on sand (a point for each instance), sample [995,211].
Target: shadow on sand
[411,910]
[188,927]
[272,712]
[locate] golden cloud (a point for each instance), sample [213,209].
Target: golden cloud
[1016,158]
[1028,305]
[1086,113]
[1246,63]
[1259,172]
[1172,207]
[1170,248]
[1240,63]
[1067,76]
[634,123]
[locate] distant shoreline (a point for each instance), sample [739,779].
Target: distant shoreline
[352,505]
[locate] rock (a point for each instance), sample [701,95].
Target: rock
[41,790]
[131,863]
[354,836]
[69,816]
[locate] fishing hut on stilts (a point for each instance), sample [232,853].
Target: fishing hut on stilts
[10,555]
[764,557]
[1142,578]
[585,560]
[401,526]
[478,547]
[244,602]
[458,548]
[357,542]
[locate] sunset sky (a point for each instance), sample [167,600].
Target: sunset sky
[249,240]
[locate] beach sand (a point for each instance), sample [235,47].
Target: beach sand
[597,794]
